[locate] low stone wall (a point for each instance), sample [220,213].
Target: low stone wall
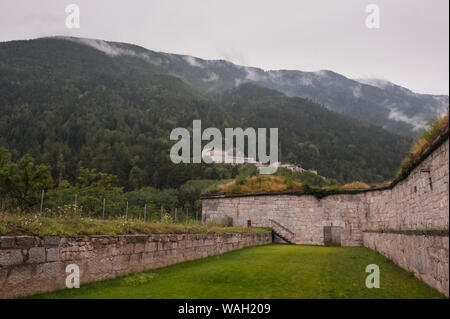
[30,265]
[426,256]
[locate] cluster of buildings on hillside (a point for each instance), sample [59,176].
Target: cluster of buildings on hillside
[234,157]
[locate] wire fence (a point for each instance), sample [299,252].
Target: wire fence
[102,208]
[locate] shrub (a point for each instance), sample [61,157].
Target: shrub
[240,179]
[23,181]
[290,183]
[227,221]
[236,189]
[166,219]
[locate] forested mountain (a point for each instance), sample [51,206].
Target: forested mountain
[379,102]
[315,137]
[112,106]
[69,105]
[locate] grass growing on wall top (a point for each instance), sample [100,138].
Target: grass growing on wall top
[35,225]
[273,183]
[355,185]
[259,184]
[269,271]
[436,128]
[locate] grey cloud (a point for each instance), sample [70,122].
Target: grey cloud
[410,49]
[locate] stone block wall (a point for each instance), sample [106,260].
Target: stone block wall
[30,265]
[419,202]
[426,256]
[305,216]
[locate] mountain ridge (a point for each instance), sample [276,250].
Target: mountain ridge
[70,105]
[392,107]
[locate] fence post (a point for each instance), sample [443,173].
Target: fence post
[145,212]
[76,195]
[42,201]
[126,212]
[104,204]
[176,209]
[196,215]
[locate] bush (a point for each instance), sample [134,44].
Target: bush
[240,179]
[236,189]
[167,219]
[290,183]
[153,197]
[22,182]
[247,169]
[227,221]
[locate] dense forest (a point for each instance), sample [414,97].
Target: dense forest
[73,107]
[316,138]
[26,186]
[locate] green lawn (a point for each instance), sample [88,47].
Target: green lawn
[270,271]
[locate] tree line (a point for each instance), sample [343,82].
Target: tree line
[24,183]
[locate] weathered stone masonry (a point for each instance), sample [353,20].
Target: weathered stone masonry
[30,264]
[421,201]
[426,256]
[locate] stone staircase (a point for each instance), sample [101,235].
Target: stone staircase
[281,233]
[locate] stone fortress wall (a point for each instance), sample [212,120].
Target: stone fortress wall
[412,215]
[407,222]
[30,265]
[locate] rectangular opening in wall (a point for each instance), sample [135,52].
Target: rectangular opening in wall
[327,235]
[332,235]
[249,223]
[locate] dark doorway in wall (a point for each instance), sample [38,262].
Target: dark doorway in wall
[249,223]
[332,235]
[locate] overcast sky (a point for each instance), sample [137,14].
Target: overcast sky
[411,47]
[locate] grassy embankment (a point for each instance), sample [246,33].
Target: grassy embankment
[72,224]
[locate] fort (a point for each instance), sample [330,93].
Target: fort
[407,221]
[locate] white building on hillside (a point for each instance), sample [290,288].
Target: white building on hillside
[234,157]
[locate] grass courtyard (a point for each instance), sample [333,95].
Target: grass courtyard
[271,271]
